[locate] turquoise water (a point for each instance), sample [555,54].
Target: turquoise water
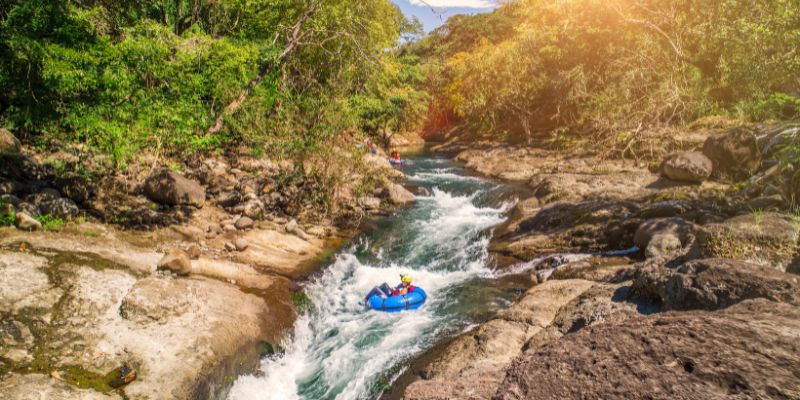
[341,351]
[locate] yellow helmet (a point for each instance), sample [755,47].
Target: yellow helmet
[405,278]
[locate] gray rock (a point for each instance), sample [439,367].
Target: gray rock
[716,283]
[398,195]
[9,144]
[229,228]
[27,223]
[664,237]
[748,351]
[689,166]
[171,188]
[370,203]
[176,261]
[241,244]
[768,239]
[244,223]
[75,187]
[252,208]
[60,208]
[20,167]
[28,208]
[45,195]
[735,153]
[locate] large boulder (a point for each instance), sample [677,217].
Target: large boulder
[398,195]
[768,239]
[171,188]
[9,144]
[20,167]
[715,283]
[748,351]
[689,166]
[663,237]
[26,223]
[75,187]
[60,208]
[735,153]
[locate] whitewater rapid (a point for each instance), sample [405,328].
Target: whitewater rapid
[341,351]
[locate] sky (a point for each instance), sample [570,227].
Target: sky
[433,13]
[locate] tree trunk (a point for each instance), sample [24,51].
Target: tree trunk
[291,44]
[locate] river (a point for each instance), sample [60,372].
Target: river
[339,350]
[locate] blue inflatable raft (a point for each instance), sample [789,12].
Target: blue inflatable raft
[379,299]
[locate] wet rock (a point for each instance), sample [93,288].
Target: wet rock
[398,195]
[176,261]
[690,166]
[244,223]
[9,144]
[241,244]
[60,208]
[75,187]
[26,223]
[735,153]
[171,188]
[690,355]
[664,237]
[768,239]
[715,283]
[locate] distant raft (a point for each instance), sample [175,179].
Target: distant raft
[410,301]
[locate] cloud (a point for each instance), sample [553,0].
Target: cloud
[455,3]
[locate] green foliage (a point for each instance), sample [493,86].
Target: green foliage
[154,75]
[49,222]
[7,214]
[591,66]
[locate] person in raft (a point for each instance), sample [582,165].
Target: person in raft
[395,160]
[405,287]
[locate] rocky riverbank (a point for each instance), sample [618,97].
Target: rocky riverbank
[703,304]
[163,283]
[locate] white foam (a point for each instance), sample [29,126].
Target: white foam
[341,347]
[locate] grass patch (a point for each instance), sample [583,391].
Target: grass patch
[49,222]
[7,214]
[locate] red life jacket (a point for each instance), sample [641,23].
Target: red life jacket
[397,290]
